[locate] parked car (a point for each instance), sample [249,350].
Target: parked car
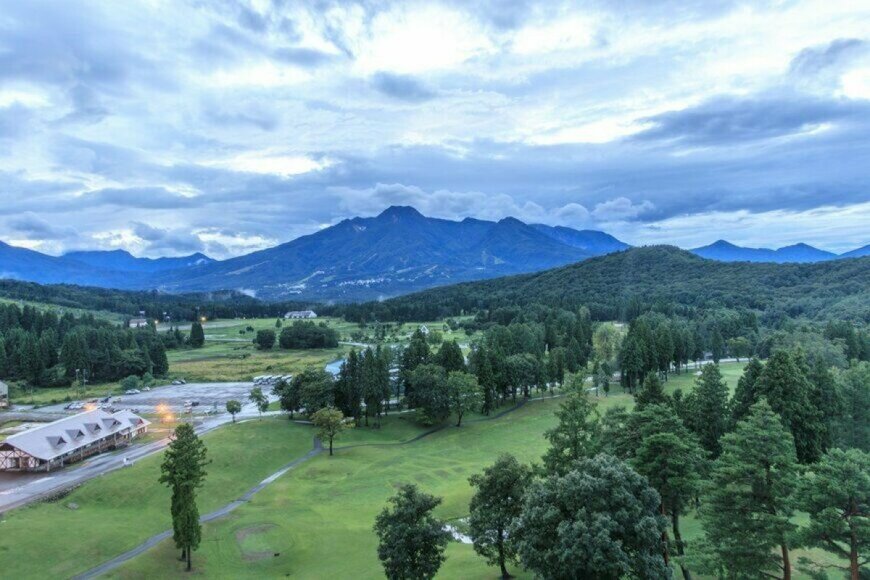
[146,389]
[132,392]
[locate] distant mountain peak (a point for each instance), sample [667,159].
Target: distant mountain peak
[400,212]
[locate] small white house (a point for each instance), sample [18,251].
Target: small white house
[300,314]
[424,330]
[140,321]
[4,395]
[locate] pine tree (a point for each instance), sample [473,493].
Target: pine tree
[574,437]
[197,335]
[450,357]
[671,459]
[183,471]
[749,502]
[789,392]
[4,365]
[485,378]
[707,409]
[836,495]
[746,395]
[652,392]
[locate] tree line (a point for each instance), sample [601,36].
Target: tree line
[607,497]
[47,349]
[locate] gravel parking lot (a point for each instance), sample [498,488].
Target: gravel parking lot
[174,396]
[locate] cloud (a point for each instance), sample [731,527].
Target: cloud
[167,241]
[732,120]
[139,197]
[403,87]
[248,124]
[306,57]
[621,208]
[14,120]
[34,227]
[813,60]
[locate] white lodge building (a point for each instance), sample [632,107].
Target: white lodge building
[297,314]
[69,440]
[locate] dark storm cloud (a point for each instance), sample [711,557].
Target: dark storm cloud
[403,87]
[728,121]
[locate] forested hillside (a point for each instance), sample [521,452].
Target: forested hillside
[179,307]
[664,278]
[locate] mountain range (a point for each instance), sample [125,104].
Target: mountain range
[397,252]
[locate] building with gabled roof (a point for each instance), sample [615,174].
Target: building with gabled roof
[69,440]
[297,314]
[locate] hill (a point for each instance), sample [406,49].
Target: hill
[123,261]
[857,252]
[594,242]
[612,285]
[157,305]
[797,253]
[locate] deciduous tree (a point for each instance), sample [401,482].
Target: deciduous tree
[598,520]
[234,407]
[330,422]
[411,540]
[497,501]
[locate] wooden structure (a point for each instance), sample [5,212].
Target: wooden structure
[69,440]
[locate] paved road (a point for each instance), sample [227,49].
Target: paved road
[24,488]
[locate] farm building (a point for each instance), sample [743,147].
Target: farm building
[295,314]
[69,440]
[4,395]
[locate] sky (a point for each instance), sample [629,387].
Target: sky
[166,127]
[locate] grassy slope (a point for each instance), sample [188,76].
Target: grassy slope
[120,510]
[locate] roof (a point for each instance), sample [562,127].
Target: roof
[64,435]
[4,389]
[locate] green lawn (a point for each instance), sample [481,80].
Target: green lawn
[318,517]
[313,522]
[120,510]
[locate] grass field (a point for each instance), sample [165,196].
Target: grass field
[230,355]
[317,518]
[121,509]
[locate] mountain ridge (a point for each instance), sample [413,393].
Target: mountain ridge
[362,258]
